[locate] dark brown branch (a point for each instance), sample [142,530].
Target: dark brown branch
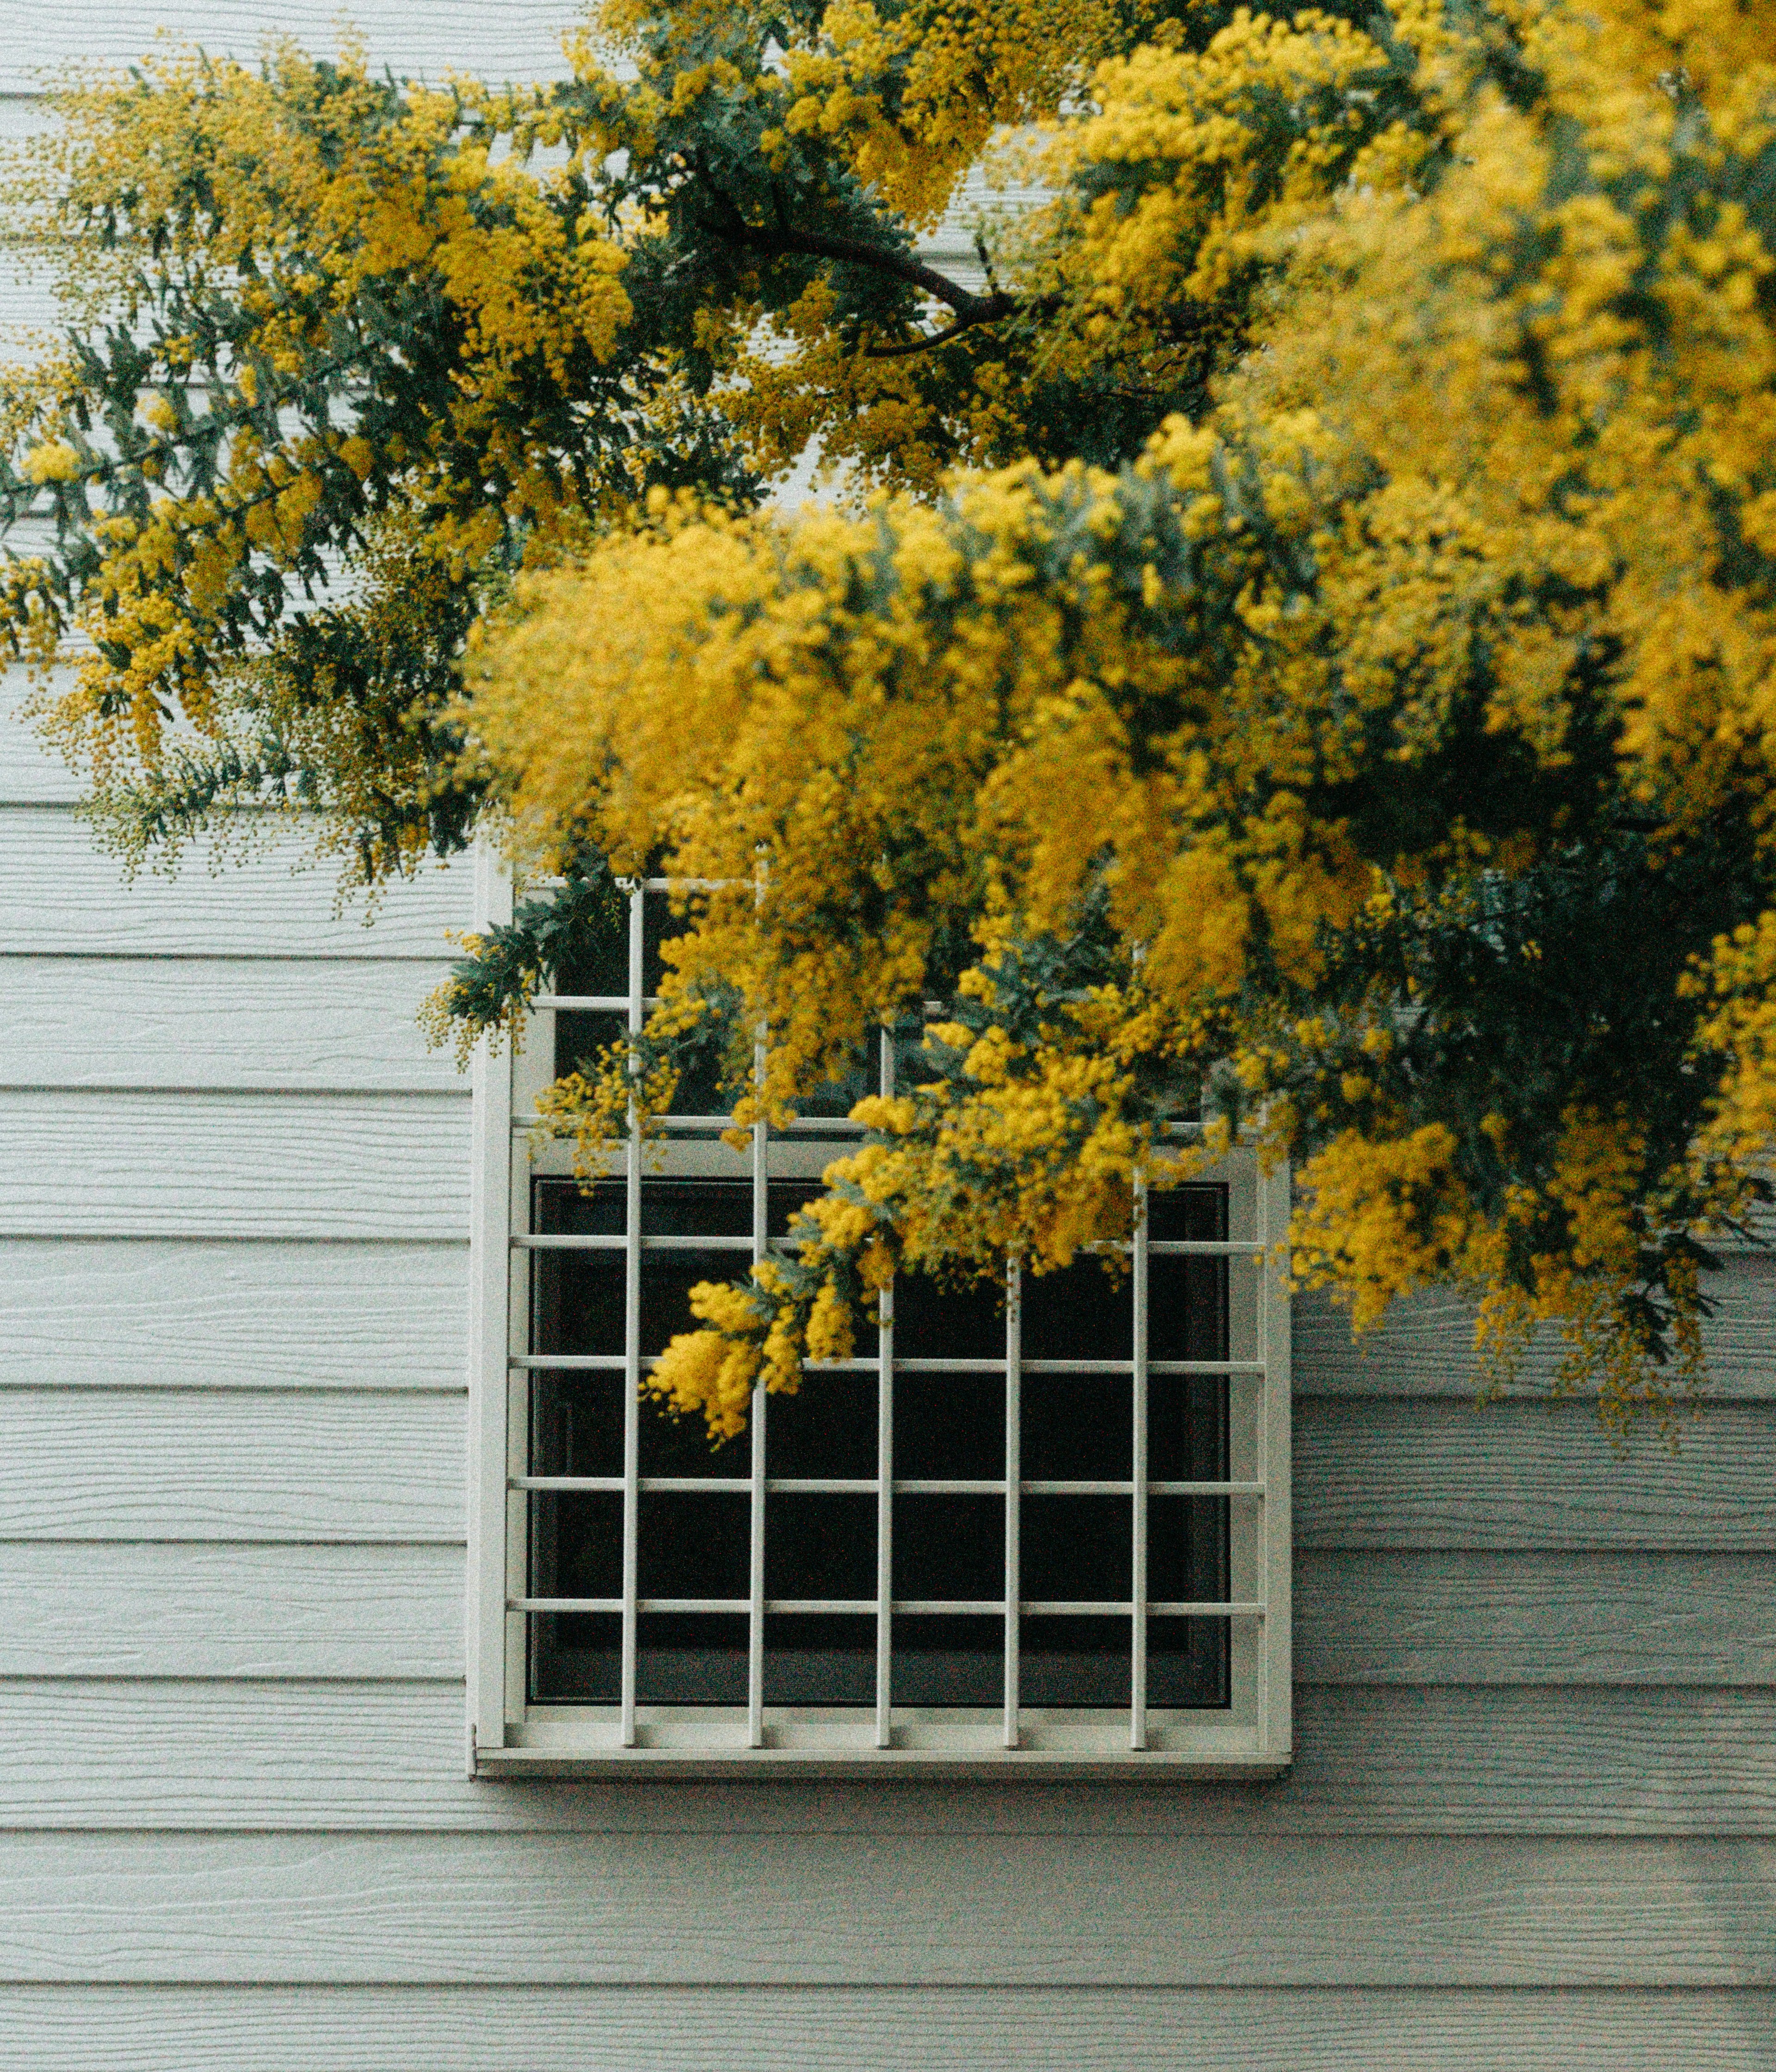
[854,252]
[991,308]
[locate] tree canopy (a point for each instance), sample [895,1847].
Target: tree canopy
[1291,645]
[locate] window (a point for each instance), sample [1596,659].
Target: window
[1043,1525]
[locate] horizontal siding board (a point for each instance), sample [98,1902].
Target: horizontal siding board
[87,1164]
[29,773]
[59,896]
[1417,1473]
[236,1466]
[76,1609]
[690,2029]
[388,1756]
[97,2028]
[1432,1618]
[194,1314]
[518,39]
[822,1908]
[1425,1347]
[211,1025]
[141,1465]
[1435,1616]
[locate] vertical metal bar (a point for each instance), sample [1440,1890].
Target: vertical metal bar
[755,1585]
[1261,1232]
[884,1475]
[756,1569]
[1277,1695]
[1137,1585]
[632,1332]
[1014,1476]
[495,1650]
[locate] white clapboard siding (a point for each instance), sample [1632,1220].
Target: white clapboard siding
[1442,1616]
[207,1023]
[667,2028]
[171,1464]
[518,39]
[29,774]
[59,897]
[176,1610]
[86,1164]
[196,1314]
[387,1756]
[1389,1473]
[1426,1346]
[1363,1620]
[845,1909]
[249,1464]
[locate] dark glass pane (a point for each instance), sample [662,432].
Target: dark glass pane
[600,967]
[576,1543]
[819,1659]
[826,1427]
[1077,1427]
[576,1424]
[933,1321]
[1187,1549]
[1193,1215]
[576,1657]
[783,1199]
[1087,1312]
[1187,1298]
[698,1208]
[1074,1661]
[691,1545]
[669,1444]
[1187,1309]
[576,1297]
[948,1659]
[1187,1428]
[950,1548]
[1077,1548]
[563,1208]
[819,1546]
[949,1425]
[581,1035]
[667,1279]
[1188,1661]
[691,1658]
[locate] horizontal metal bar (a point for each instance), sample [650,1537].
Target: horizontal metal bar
[609,1241]
[1206,1367]
[615,1363]
[1254,1610]
[862,1605]
[568,1362]
[1228,1247]
[599,1003]
[915,1607]
[860,1485]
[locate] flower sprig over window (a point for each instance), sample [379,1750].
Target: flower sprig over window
[1301,647]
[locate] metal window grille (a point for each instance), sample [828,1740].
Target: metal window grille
[1080,1557]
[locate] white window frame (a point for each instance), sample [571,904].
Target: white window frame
[509,1738]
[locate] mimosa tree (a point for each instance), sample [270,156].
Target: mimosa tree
[1293,644]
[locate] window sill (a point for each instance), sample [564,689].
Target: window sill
[927,1744]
